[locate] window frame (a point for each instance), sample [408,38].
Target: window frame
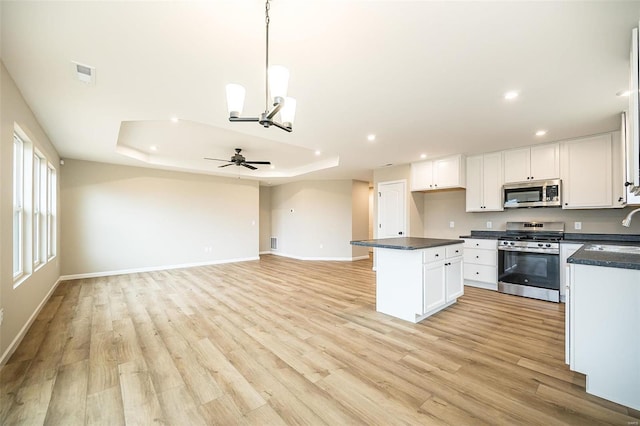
[18,208]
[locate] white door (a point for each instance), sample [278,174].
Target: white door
[391,209]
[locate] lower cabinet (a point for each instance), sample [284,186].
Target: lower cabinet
[481,263]
[442,279]
[414,284]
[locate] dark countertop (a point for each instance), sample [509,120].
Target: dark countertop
[406,243]
[485,235]
[605,258]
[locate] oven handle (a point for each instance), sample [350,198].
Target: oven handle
[528,250]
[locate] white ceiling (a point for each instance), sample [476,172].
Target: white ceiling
[425,77]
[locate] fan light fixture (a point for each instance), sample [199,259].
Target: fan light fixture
[276,82]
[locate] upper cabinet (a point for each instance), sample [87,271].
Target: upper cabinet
[484,183]
[586,173]
[443,173]
[537,162]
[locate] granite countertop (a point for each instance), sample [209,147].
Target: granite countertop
[569,237]
[406,243]
[585,256]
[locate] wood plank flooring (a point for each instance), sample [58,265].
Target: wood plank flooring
[279,341]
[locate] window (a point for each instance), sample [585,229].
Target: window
[18,207]
[39,209]
[51,211]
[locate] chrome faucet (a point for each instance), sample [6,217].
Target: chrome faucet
[627,220]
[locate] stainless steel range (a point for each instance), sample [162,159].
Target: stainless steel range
[529,260]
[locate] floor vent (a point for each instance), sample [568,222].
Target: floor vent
[274,243]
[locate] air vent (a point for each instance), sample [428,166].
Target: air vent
[274,243]
[84,73]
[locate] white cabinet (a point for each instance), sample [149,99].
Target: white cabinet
[566,250]
[481,263]
[443,173]
[484,183]
[442,277]
[605,343]
[414,284]
[537,162]
[586,172]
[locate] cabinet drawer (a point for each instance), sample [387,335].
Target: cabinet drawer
[480,257]
[433,254]
[481,244]
[453,251]
[487,274]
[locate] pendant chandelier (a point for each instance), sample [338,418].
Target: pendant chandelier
[276,82]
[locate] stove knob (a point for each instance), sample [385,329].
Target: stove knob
[513,244]
[540,244]
[547,245]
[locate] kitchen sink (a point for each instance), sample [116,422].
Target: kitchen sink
[614,249]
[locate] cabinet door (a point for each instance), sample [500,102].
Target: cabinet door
[434,286]
[492,182]
[545,161]
[474,195]
[446,172]
[517,165]
[586,173]
[453,279]
[422,176]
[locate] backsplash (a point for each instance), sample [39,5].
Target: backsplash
[443,207]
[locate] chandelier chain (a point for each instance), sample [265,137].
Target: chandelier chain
[267,6]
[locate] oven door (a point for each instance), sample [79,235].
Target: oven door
[529,274]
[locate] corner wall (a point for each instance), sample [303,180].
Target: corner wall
[313,220]
[20,304]
[119,219]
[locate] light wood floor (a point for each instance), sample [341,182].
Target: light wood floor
[279,341]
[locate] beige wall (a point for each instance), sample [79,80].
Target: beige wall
[444,206]
[313,219]
[359,216]
[120,218]
[415,200]
[21,303]
[265,219]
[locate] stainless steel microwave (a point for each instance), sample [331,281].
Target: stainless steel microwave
[542,193]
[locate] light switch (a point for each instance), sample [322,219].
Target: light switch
[577,225]
[452,224]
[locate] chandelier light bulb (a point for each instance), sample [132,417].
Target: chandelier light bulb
[278,81]
[235,99]
[288,112]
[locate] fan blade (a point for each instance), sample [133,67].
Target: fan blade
[249,167]
[257,162]
[226,165]
[215,159]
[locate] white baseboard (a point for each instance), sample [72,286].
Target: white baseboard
[266,252]
[18,339]
[154,268]
[326,259]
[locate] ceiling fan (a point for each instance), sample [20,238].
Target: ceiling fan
[239,160]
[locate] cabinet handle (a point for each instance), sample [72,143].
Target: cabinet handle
[477,257]
[437,255]
[477,273]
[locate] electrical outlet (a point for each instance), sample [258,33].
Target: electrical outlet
[452,224]
[489,224]
[577,225]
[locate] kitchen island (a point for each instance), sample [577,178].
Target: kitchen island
[604,318]
[416,277]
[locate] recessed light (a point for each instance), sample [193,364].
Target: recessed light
[623,93]
[371,138]
[511,95]
[272,167]
[423,156]
[174,119]
[318,152]
[541,132]
[153,148]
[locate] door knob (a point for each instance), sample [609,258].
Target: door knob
[400,233]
